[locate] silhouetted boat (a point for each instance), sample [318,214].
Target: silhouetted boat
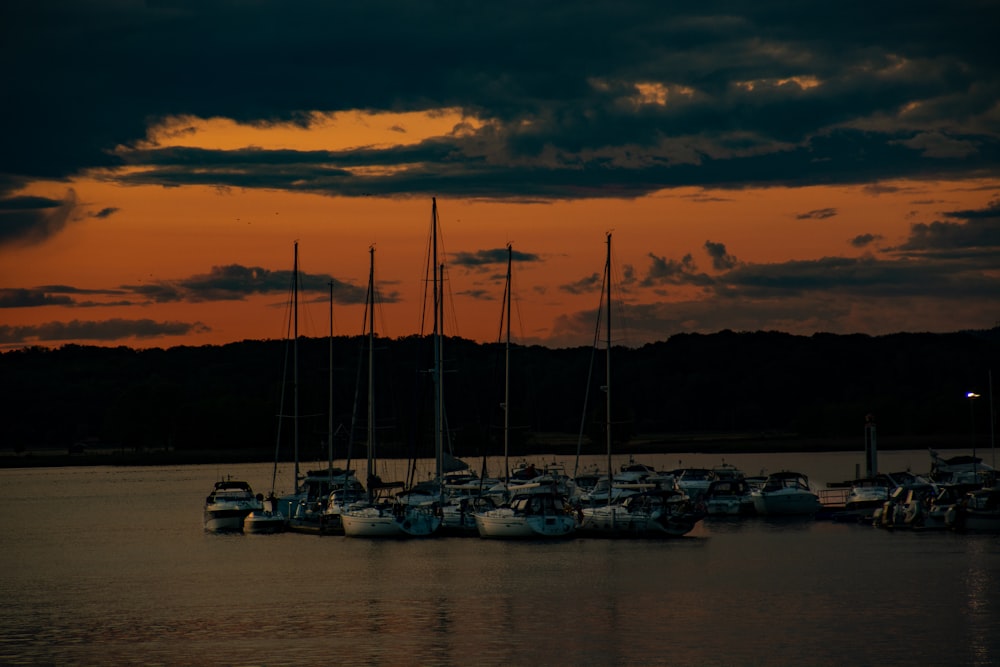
[228,504]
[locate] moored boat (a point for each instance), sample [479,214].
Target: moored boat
[657,513]
[228,504]
[543,514]
[786,493]
[266,520]
[978,511]
[907,506]
[729,497]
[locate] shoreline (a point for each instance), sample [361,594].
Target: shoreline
[543,445]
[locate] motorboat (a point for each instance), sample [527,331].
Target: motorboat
[266,520]
[538,514]
[786,493]
[947,495]
[630,479]
[907,506]
[867,494]
[228,504]
[339,500]
[729,497]
[656,513]
[978,511]
[693,482]
[306,510]
[959,469]
[727,471]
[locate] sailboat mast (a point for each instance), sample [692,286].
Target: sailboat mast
[371,372]
[295,362]
[329,418]
[438,420]
[607,418]
[506,380]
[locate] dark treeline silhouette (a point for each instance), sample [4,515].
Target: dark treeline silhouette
[761,384]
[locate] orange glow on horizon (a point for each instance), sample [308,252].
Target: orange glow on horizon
[170,234]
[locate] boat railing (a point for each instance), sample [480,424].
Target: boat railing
[835,497]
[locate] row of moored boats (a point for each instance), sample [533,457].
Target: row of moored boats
[639,501]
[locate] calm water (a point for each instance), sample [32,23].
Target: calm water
[111,566]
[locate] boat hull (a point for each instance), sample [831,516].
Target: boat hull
[225,520]
[504,524]
[264,523]
[370,522]
[780,503]
[618,522]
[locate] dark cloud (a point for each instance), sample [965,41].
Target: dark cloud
[591,283]
[663,271]
[31,220]
[222,283]
[990,212]
[491,257]
[865,240]
[614,99]
[102,331]
[30,298]
[817,214]
[721,260]
[235,282]
[105,212]
[980,232]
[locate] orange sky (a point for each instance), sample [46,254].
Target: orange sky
[761,168]
[166,234]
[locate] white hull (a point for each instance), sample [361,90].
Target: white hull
[264,523]
[505,524]
[228,504]
[225,521]
[370,522]
[619,522]
[729,506]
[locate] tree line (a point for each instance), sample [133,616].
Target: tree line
[241,395]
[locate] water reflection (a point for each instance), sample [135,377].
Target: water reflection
[86,581]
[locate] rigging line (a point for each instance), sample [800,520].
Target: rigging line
[590,375]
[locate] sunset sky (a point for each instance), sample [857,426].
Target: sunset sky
[789,166]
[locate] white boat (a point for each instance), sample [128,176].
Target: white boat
[907,506]
[694,482]
[977,512]
[267,520]
[384,516]
[372,520]
[729,497]
[228,504]
[867,494]
[658,513]
[959,469]
[339,500]
[935,518]
[786,493]
[528,516]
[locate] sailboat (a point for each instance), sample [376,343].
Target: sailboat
[381,515]
[311,514]
[661,511]
[421,513]
[301,510]
[273,517]
[536,510]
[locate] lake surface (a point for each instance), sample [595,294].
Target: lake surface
[110,565]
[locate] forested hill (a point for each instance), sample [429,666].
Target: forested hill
[229,397]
